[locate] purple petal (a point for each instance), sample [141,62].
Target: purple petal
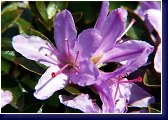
[47,85]
[88,42]
[81,102]
[139,97]
[86,74]
[130,66]
[157,59]
[153,17]
[125,51]
[35,48]
[114,27]
[6,97]
[102,16]
[64,29]
[104,91]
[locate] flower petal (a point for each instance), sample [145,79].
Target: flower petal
[157,59]
[114,27]
[6,97]
[102,16]
[154,18]
[125,51]
[139,97]
[47,85]
[86,74]
[88,42]
[35,48]
[146,5]
[64,29]
[130,66]
[81,102]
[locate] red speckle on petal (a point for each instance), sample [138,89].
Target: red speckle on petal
[53,74]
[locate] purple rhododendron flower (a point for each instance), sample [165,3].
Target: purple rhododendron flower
[115,91]
[69,60]
[6,97]
[112,27]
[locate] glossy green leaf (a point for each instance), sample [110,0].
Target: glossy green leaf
[55,7]
[117,4]
[14,6]
[11,84]
[30,65]
[150,80]
[5,66]
[8,18]
[72,90]
[42,10]
[6,44]
[31,31]
[29,81]
[8,55]
[154,108]
[23,23]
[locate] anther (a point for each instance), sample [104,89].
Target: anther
[117,101]
[53,74]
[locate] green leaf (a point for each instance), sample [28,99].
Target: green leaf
[55,7]
[11,84]
[8,18]
[30,65]
[150,80]
[154,108]
[117,4]
[6,44]
[8,55]
[31,31]
[14,6]
[29,81]
[23,23]
[72,90]
[42,10]
[53,101]
[5,66]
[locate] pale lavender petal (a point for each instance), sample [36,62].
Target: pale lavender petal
[81,102]
[114,27]
[104,91]
[6,97]
[88,42]
[47,85]
[130,66]
[157,59]
[146,5]
[35,48]
[139,97]
[86,74]
[124,51]
[64,29]
[154,18]
[102,16]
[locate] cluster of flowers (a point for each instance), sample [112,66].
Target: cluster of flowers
[76,59]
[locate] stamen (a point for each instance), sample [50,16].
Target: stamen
[54,74]
[117,101]
[139,79]
[66,40]
[126,30]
